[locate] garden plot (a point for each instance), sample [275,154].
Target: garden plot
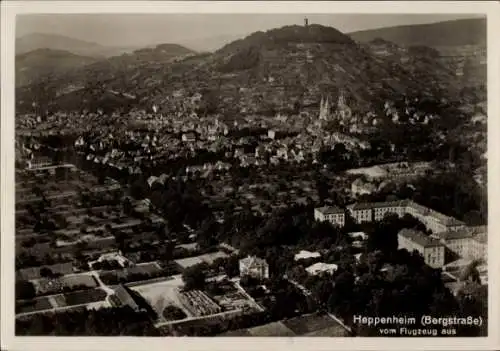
[35,305]
[47,285]
[84,297]
[226,295]
[140,271]
[34,272]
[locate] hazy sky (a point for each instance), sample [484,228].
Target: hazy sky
[146,29]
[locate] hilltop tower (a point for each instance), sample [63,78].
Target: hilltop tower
[306,22]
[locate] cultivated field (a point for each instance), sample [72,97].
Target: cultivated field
[230,298]
[40,304]
[84,297]
[310,323]
[34,272]
[307,325]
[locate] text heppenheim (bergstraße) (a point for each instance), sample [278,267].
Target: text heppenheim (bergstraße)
[425,320]
[451,321]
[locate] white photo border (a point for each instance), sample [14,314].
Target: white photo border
[10,9]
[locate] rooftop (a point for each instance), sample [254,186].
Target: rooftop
[481,238]
[303,254]
[252,260]
[330,210]
[321,267]
[419,238]
[399,203]
[125,297]
[361,206]
[455,235]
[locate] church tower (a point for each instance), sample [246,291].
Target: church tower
[324,109]
[343,109]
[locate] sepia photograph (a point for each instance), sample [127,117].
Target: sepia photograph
[225,175]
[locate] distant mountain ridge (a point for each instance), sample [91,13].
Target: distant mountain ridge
[36,41]
[40,63]
[48,63]
[449,33]
[261,73]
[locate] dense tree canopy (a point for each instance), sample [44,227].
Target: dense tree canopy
[103,322]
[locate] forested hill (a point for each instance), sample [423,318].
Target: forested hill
[450,33]
[266,71]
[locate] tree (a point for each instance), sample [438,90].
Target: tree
[102,322]
[127,206]
[46,272]
[207,234]
[194,277]
[25,290]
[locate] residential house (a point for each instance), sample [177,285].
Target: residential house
[321,267]
[254,267]
[304,255]
[358,236]
[359,187]
[189,137]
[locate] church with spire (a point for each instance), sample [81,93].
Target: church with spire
[341,112]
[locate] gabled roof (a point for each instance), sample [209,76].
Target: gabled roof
[303,254]
[361,206]
[455,235]
[321,267]
[330,210]
[252,261]
[125,297]
[419,238]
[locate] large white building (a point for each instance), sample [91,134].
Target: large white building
[376,211]
[333,215]
[430,248]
